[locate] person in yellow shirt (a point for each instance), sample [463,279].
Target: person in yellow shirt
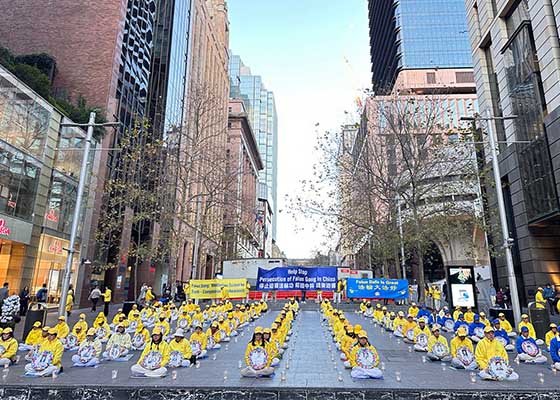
[526,323]
[462,351]
[121,340]
[399,325]
[199,342]
[117,318]
[33,338]
[154,359]
[483,319]
[492,359]
[73,340]
[150,296]
[163,325]
[550,334]
[363,306]
[364,359]
[504,323]
[107,295]
[214,336]
[102,328]
[436,295]
[82,323]
[413,310]
[48,360]
[421,336]
[224,291]
[257,358]
[458,311]
[133,310]
[140,337]
[8,348]
[408,329]
[180,351]
[89,351]
[469,315]
[69,303]
[62,328]
[271,347]
[438,348]
[540,302]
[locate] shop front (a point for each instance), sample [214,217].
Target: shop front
[15,235]
[50,265]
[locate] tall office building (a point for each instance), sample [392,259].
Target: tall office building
[517,70]
[416,35]
[264,120]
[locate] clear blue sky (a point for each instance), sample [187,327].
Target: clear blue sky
[299,47]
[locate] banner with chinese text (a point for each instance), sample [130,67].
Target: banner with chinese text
[377,288]
[297,278]
[212,288]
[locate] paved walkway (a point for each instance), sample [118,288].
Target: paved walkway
[311,365]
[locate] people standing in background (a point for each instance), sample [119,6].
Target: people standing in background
[436,294]
[24,301]
[540,302]
[492,294]
[142,296]
[42,296]
[500,298]
[4,292]
[107,300]
[507,297]
[550,296]
[94,296]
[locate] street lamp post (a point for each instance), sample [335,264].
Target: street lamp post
[78,208]
[507,241]
[399,221]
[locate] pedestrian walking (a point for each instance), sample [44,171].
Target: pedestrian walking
[107,300]
[94,296]
[24,298]
[550,296]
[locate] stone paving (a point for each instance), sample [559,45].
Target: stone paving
[307,364]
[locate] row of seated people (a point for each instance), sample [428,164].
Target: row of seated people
[353,342]
[267,345]
[45,347]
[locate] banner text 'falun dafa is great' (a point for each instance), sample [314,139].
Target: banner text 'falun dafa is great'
[212,288]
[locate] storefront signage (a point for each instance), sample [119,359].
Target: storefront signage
[55,247]
[4,230]
[51,216]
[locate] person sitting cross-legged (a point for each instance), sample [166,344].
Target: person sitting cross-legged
[462,351]
[180,351]
[527,349]
[550,334]
[421,336]
[154,359]
[48,358]
[501,335]
[438,348]
[555,352]
[257,357]
[8,348]
[526,323]
[476,329]
[364,359]
[88,352]
[492,359]
[119,344]
[33,338]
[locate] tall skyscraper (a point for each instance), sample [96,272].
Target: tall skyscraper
[264,120]
[414,35]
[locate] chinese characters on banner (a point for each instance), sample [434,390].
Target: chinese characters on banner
[377,288]
[297,278]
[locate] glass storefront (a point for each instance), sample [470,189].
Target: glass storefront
[12,255]
[49,268]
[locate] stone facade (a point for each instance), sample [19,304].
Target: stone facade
[517,71]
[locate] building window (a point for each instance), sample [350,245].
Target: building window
[19,178]
[464,77]
[526,94]
[431,78]
[495,96]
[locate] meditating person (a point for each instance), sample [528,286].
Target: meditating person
[526,323]
[550,334]
[438,348]
[555,352]
[399,325]
[89,351]
[33,338]
[74,339]
[421,336]
[527,349]
[408,329]
[214,336]
[476,329]
[62,329]
[102,328]
[199,342]
[461,322]
[8,348]
[257,358]
[48,358]
[364,359]
[501,335]
[140,337]
[180,351]
[462,351]
[504,323]
[492,359]
[119,345]
[154,359]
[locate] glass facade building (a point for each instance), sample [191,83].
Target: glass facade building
[416,34]
[264,121]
